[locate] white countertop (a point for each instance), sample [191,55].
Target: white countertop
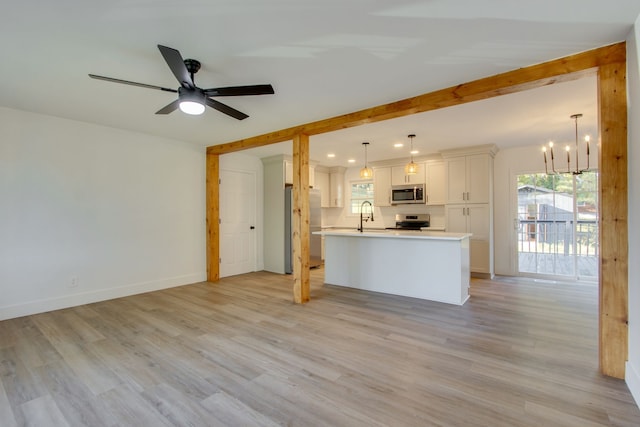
[396,234]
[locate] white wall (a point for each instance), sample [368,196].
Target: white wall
[633,79]
[248,163]
[89,213]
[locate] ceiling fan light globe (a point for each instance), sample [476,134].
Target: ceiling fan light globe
[192,107]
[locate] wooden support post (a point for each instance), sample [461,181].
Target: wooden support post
[301,277]
[213,216]
[613,191]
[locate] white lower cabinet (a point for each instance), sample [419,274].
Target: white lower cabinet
[473,218]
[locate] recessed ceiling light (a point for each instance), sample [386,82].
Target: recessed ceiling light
[331,155]
[414,152]
[398,145]
[351,160]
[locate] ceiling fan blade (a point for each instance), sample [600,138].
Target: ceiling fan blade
[226,109]
[240,90]
[127,82]
[176,64]
[169,108]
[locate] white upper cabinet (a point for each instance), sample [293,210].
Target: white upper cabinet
[288,173]
[382,186]
[322,184]
[330,182]
[436,185]
[312,176]
[398,177]
[469,179]
[336,184]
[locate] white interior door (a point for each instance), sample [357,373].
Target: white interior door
[237,222]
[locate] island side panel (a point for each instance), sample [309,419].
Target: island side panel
[430,269]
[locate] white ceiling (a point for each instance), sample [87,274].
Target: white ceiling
[324,58]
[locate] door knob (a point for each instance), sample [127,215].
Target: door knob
[252,228]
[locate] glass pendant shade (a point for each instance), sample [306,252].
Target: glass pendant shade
[411,168]
[366,172]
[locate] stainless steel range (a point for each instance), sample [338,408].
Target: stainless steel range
[411,221]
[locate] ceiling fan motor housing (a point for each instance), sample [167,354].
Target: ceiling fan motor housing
[189,94]
[192,65]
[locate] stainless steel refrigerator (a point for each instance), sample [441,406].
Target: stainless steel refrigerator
[315,223]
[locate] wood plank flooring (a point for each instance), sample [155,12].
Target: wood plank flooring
[240,353]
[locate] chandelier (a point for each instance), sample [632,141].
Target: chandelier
[577,170]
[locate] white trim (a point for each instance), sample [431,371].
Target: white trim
[490,149]
[632,378]
[57,303]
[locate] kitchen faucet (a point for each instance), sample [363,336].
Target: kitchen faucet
[369,217]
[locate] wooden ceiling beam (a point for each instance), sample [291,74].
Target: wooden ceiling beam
[556,71]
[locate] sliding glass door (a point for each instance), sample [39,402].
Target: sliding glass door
[557,225]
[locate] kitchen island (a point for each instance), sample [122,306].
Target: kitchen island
[419,264]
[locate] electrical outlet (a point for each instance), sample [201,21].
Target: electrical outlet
[74,282]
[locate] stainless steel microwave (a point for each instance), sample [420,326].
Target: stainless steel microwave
[405,194]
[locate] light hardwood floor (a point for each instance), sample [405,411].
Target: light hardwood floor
[240,353]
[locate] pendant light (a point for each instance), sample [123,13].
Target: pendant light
[366,172]
[411,168]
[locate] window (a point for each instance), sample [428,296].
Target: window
[361,191]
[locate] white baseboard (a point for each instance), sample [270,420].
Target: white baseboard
[632,378]
[49,304]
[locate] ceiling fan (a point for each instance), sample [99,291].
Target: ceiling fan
[191,98]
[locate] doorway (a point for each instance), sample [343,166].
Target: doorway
[238,250]
[557,226]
